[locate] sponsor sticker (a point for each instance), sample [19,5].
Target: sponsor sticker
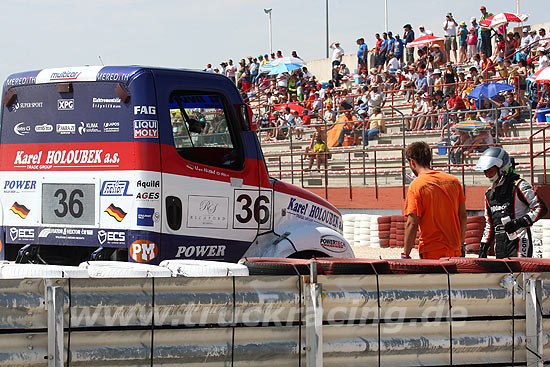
[106,103]
[147,217]
[22,234]
[21,129]
[143,251]
[66,233]
[16,186]
[20,209]
[113,77]
[332,244]
[44,128]
[88,127]
[146,129]
[25,105]
[65,75]
[111,127]
[207,211]
[145,110]
[115,212]
[65,104]
[65,129]
[148,196]
[64,158]
[115,188]
[310,211]
[111,237]
[201,251]
[25,80]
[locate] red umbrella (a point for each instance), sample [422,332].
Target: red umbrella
[424,40]
[503,18]
[292,106]
[541,76]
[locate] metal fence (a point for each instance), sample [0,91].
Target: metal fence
[375,320]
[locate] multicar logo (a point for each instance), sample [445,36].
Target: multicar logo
[115,188]
[332,244]
[65,75]
[21,129]
[143,251]
[44,128]
[65,104]
[21,234]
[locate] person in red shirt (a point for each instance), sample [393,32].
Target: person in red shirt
[455,103]
[487,66]
[306,120]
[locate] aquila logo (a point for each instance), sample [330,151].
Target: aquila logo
[115,212]
[20,210]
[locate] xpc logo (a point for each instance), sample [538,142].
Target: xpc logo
[143,251]
[65,104]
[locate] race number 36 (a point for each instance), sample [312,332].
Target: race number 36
[68,204]
[253,209]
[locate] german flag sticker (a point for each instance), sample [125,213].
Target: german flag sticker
[20,210]
[115,212]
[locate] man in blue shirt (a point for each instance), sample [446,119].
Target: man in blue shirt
[409,37]
[362,54]
[384,49]
[422,82]
[398,46]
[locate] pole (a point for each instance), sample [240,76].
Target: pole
[270,34]
[517,6]
[326,11]
[386,13]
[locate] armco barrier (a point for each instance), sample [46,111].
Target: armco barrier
[327,320]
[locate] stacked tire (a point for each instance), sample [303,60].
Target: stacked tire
[474,232]
[400,221]
[374,232]
[384,230]
[545,238]
[537,232]
[349,228]
[364,231]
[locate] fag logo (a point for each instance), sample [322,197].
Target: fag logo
[115,212]
[143,251]
[20,210]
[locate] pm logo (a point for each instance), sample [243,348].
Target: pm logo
[143,251]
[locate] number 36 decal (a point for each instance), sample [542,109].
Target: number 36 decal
[253,209]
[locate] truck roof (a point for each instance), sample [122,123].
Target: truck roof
[121,74]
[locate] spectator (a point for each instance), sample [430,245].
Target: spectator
[544,100]
[461,146]
[482,140]
[439,56]
[543,42]
[419,108]
[508,116]
[374,126]
[487,66]
[337,53]
[254,67]
[471,40]
[534,38]
[449,26]
[500,47]
[295,55]
[477,28]
[398,47]
[393,63]
[424,32]
[348,128]
[279,54]
[376,49]
[297,126]
[384,48]
[362,53]
[408,36]
[421,84]
[231,70]
[501,68]
[439,107]
[435,203]
[544,61]
[450,79]
[485,32]
[525,42]
[317,149]
[462,42]
[455,104]
[375,98]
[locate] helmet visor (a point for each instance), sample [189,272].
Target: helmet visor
[485,162]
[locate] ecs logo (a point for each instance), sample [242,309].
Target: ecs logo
[143,251]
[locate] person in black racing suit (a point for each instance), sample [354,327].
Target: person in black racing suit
[511,207]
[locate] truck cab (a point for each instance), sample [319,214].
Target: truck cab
[145,164]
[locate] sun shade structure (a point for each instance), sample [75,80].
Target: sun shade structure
[489,90]
[424,40]
[503,18]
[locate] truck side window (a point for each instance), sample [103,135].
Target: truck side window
[202,130]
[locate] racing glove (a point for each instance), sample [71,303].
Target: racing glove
[483,249]
[517,223]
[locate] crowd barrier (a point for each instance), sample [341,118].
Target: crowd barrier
[438,319]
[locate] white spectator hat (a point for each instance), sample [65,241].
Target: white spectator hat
[437,71]
[525,30]
[468,75]
[541,48]
[472,19]
[420,26]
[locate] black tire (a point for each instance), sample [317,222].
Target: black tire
[416,266]
[530,265]
[276,266]
[336,266]
[476,265]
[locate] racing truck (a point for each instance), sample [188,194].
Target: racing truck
[145,164]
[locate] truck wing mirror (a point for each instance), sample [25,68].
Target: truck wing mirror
[246,117]
[9,97]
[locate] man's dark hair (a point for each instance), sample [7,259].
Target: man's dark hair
[361,39]
[420,152]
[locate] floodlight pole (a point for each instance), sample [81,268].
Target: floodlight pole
[326,11]
[386,14]
[268,12]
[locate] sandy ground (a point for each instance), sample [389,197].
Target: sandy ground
[368,252]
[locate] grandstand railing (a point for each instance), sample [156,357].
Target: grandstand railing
[533,154]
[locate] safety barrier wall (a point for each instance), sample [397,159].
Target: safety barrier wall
[325,320]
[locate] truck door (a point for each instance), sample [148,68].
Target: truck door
[214,206]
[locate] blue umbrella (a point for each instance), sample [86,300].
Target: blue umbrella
[283,68]
[489,90]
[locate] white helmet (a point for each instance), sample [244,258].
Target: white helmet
[494,156]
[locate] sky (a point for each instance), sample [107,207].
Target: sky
[40,34]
